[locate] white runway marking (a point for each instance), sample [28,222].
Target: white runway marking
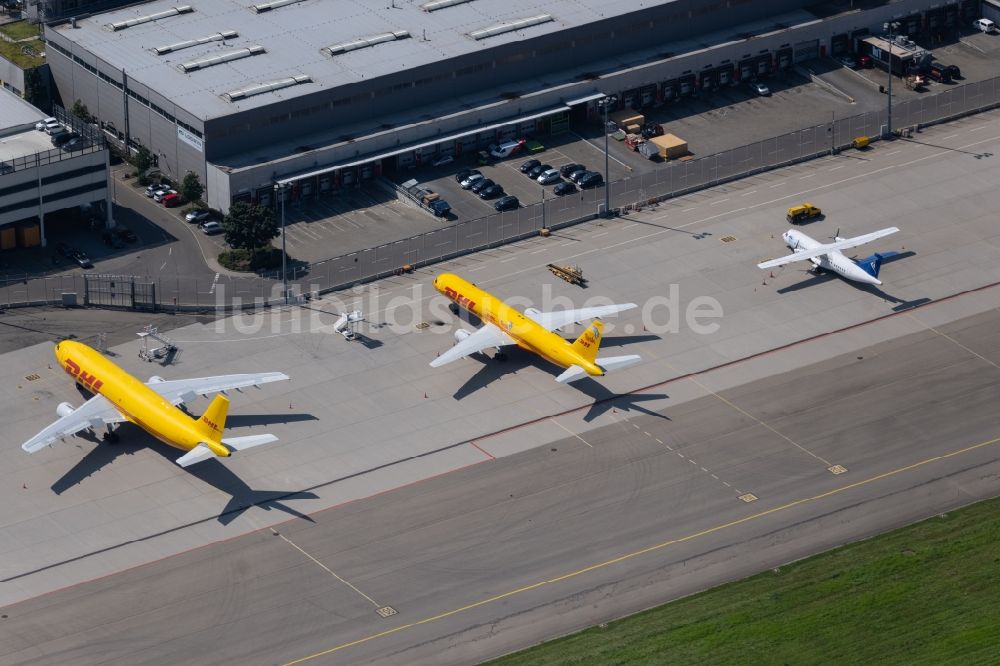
[603,233]
[893,153]
[836,167]
[777,185]
[715,203]
[746,194]
[950,136]
[324,567]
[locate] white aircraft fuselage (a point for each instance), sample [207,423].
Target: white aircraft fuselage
[833,261]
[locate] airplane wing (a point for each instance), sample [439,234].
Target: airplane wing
[555,320]
[177,391]
[92,414]
[830,247]
[486,337]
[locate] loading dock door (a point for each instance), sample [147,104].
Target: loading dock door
[807,50]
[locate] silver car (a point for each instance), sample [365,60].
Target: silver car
[550,176]
[471,180]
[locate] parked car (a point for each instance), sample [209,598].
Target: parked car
[954,71]
[564,188]
[577,175]
[199,215]
[537,171]
[151,189]
[509,202]
[490,191]
[54,128]
[549,176]
[162,192]
[126,234]
[211,227]
[465,173]
[759,88]
[865,62]
[82,260]
[567,169]
[481,185]
[506,149]
[649,130]
[172,200]
[111,240]
[591,179]
[529,165]
[44,125]
[61,138]
[76,143]
[848,61]
[471,180]
[799,213]
[440,207]
[984,25]
[444,159]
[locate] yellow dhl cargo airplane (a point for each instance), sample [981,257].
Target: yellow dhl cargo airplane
[533,330]
[152,406]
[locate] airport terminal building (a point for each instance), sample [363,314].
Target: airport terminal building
[320,96]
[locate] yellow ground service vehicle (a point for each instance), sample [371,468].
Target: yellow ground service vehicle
[802,212]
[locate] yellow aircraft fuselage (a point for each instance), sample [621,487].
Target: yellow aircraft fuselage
[140,404]
[528,333]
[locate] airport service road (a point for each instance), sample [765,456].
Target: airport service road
[362,419]
[519,549]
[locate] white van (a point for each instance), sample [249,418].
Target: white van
[506,149]
[985,25]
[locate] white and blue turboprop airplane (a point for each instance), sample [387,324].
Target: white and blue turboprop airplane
[828,257]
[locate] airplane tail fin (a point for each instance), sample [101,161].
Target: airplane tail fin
[873,264]
[213,421]
[586,345]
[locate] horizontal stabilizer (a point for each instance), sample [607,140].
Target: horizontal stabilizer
[571,374]
[195,455]
[248,442]
[617,362]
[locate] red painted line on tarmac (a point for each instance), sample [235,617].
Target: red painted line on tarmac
[737,361]
[485,452]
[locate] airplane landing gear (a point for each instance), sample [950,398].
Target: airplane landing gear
[500,356]
[110,436]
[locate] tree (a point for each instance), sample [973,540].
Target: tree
[191,187]
[142,159]
[34,91]
[81,111]
[249,227]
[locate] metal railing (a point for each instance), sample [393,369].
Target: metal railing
[672,179]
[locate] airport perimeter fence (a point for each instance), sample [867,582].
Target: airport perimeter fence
[675,178]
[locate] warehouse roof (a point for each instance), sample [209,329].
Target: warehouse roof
[214,57]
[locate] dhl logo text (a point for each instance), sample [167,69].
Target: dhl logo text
[90,381]
[211,424]
[459,298]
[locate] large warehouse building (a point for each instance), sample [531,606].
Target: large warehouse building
[322,95]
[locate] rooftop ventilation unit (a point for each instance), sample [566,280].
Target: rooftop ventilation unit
[173,11]
[228,56]
[217,37]
[441,4]
[510,26]
[344,47]
[262,88]
[268,6]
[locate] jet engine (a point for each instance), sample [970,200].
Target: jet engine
[156,379]
[462,334]
[64,409]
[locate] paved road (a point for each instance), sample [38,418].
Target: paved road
[507,553]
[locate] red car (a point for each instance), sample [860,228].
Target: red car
[172,200]
[865,62]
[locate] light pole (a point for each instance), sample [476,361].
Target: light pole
[604,104]
[543,205]
[279,191]
[890,29]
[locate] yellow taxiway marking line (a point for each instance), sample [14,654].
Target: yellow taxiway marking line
[643,551]
[324,567]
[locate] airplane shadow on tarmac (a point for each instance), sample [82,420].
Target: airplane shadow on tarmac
[213,472]
[820,278]
[604,399]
